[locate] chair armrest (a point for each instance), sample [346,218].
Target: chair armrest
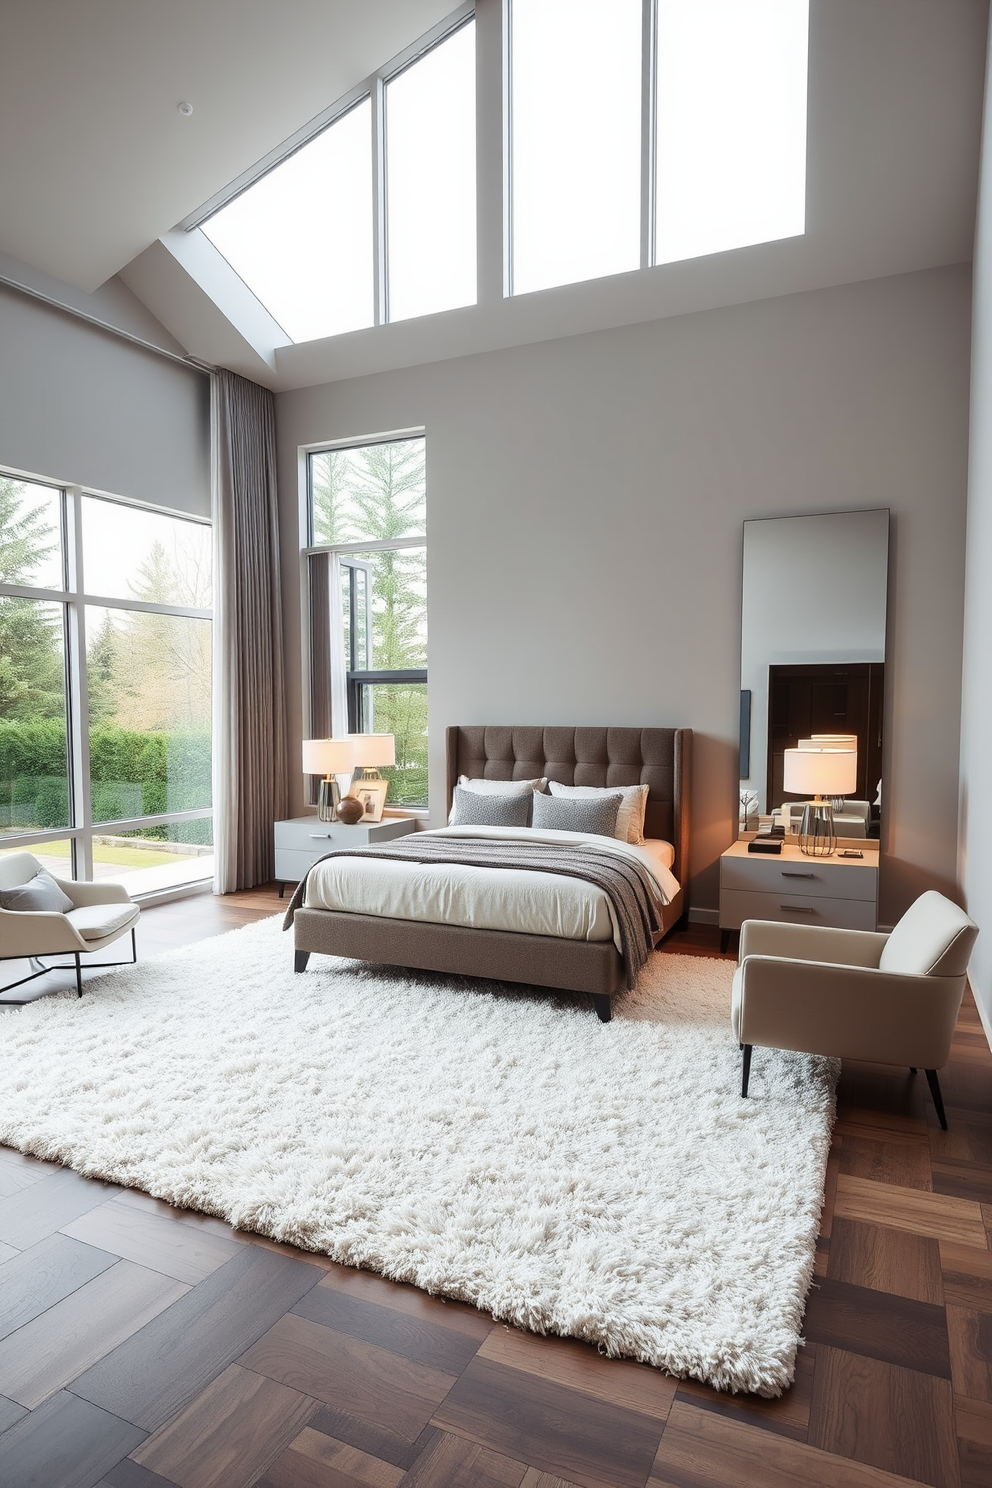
[93,893]
[850,1012]
[810,943]
[37,932]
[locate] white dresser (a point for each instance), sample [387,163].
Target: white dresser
[303,839]
[841,892]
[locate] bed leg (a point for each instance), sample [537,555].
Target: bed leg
[604,1006]
[300,960]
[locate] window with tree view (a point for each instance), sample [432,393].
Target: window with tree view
[368,596]
[105,692]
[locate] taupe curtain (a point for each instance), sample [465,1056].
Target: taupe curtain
[250,774]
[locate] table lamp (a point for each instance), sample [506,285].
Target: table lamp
[328,757]
[373,750]
[819,772]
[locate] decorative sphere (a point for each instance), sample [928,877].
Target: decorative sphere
[350,811]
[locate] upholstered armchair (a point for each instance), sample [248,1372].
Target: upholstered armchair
[90,916]
[890,999]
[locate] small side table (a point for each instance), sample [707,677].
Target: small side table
[840,892]
[301,840]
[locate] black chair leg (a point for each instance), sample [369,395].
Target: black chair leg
[938,1099]
[79,977]
[300,961]
[746,1071]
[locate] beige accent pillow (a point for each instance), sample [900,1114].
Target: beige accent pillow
[630,817]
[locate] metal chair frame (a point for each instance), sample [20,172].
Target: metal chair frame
[45,970]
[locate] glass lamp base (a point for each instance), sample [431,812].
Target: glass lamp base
[817,838]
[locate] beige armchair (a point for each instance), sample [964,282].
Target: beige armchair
[890,999]
[100,913]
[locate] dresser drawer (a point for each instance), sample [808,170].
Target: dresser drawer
[738,905]
[813,879]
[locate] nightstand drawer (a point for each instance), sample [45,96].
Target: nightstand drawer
[738,905]
[814,878]
[292,866]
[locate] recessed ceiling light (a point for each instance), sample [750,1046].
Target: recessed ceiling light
[185,109]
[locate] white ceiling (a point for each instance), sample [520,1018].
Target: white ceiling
[96,162]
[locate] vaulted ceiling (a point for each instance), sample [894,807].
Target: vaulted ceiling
[96,162]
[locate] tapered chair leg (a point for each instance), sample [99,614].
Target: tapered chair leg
[938,1099]
[746,1070]
[79,977]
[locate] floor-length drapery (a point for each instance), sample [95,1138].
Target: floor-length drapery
[250,774]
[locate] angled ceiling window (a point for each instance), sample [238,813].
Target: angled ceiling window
[430,180]
[373,217]
[301,237]
[575,140]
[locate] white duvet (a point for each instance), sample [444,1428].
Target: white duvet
[488,898]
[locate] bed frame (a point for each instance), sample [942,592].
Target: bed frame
[658,757]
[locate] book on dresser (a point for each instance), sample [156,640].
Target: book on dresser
[836,891]
[301,840]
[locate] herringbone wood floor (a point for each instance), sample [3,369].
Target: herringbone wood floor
[141,1346]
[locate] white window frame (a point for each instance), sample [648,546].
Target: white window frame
[372,87]
[74,600]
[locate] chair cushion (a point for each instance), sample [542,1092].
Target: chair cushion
[97,921]
[736,997]
[933,938]
[40,892]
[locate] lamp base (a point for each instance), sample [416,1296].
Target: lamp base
[328,799]
[817,838]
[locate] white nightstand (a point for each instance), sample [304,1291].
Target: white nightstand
[303,839]
[841,892]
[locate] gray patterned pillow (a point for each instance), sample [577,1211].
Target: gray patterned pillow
[40,892]
[596,815]
[474,810]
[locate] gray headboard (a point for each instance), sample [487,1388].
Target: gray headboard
[660,758]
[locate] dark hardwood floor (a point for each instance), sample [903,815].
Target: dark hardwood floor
[143,1347]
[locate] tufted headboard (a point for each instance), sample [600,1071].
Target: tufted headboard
[660,758]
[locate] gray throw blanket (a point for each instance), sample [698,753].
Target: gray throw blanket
[627,884]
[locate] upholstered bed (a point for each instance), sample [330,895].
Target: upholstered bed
[592,756]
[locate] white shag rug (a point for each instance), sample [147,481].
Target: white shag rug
[603,1181]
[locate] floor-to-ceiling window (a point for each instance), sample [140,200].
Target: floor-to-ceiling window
[105,686]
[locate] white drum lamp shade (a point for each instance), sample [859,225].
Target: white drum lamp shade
[328,757]
[819,772]
[374,750]
[830,741]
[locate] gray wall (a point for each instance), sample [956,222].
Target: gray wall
[82,406]
[976,692]
[585,501]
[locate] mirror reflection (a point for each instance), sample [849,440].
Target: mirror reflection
[812,668]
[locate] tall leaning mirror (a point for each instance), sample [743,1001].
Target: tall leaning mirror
[813,662]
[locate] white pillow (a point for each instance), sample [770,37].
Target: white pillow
[498,788]
[630,817]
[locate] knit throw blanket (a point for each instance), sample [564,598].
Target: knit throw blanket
[626,883]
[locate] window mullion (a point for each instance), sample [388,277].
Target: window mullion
[379,226]
[649,84]
[78,710]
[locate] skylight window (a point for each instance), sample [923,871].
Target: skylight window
[576,140]
[731,124]
[430,180]
[301,237]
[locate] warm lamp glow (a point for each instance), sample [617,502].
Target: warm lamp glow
[830,741]
[328,756]
[374,749]
[820,772]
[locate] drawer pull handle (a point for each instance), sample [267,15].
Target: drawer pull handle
[798,908]
[325,836]
[787,874]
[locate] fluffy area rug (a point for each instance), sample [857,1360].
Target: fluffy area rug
[603,1181]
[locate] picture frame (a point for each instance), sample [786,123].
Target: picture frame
[372,794]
